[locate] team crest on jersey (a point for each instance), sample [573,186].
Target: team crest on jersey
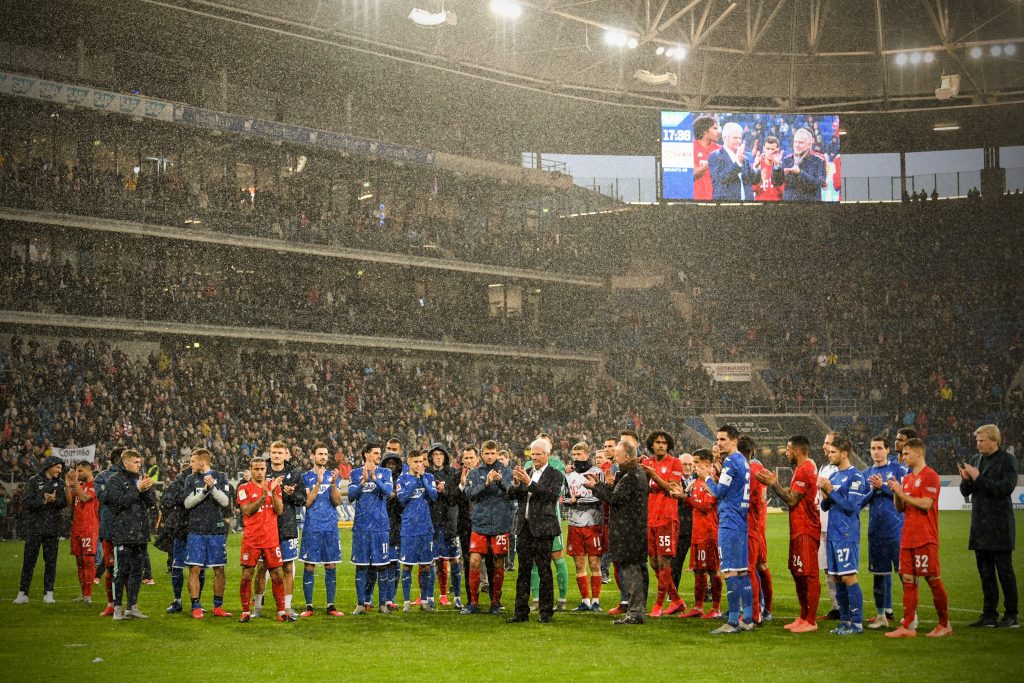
[245,556]
[917,483]
[242,495]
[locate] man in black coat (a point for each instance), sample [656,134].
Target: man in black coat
[988,481]
[44,499]
[536,526]
[627,533]
[444,513]
[130,495]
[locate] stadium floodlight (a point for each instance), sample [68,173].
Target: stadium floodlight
[661,50]
[1010,50]
[507,9]
[901,59]
[929,57]
[678,52]
[632,43]
[645,76]
[996,50]
[915,58]
[976,52]
[943,127]
[422,17]
[615,38]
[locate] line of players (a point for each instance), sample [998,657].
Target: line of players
[407,516]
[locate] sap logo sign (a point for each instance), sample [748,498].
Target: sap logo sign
[1020,499]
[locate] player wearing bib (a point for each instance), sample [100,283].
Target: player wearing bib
[918,498]
[733,493]
[260,502]
[85,525]
[703,542]
[369,490]
[885,525]
[416,491]
[586,527]
[208,499]
[804,530]
[486,487]
[320,542]
[664,473]
[843,496]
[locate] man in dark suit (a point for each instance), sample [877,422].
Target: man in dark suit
[805,171]
[537,524]
[733,171]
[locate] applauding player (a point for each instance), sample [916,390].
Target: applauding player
[85,525]
[320,542]
[368,491]
[416,491]
[586,527]
[664,472]
[704,541]
[207,500]
[885,524]
[260,502]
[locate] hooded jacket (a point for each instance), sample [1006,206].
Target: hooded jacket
[42,518]
[492,511]
[129,515]
[288,520]
[394,507]
[444,512]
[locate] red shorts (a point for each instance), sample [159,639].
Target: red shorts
[803,556]
[482,545]
[922,561]
[108,553]
[84,545]
[585,541]
[271,556]
[662,539]
[757,551]
[704,556]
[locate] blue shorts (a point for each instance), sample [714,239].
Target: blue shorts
[178,553]
[370,547]
[883,555]
[843,557]
[417,549]
[206,550]
[445,549]
[394,553]
[733,549]
[289,549]
[320,547]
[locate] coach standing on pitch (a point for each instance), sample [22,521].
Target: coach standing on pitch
[989,481]
[129,495]
[44,499]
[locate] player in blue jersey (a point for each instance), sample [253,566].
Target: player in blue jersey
[388,578]
[842,495]
[320,542]
[885,525]
[417,491]
[733,493]
[368,491]
[208,496]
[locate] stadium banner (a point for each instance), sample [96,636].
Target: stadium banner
[729,372]
[951,499]
[87,98]
[741,157]
[72,455]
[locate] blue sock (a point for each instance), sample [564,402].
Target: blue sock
[732,592]
[386,578]
[197,603]
[177,582]
[426,577]
[361,585]
[843,598]
[307,585]
[218,601]
[878,591]
[372,576]
[747,593]
[406,582]
[855,598]
[456,574]
[331,581]
[888,593]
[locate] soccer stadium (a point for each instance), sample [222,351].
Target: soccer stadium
[446,339]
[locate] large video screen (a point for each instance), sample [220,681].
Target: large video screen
[750,157]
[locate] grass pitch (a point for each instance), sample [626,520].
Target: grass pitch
[68,641]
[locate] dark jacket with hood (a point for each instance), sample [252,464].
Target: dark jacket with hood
[394,507]
[444,512]
[294,504]
[129,507]
[42,518]
[492,511]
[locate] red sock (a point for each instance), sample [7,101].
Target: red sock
[801,594]
[665,576]
[277,587]
[474,586]
[499,578]
[89,575]
[595,586]
[755,594]
[941,600]
[767,589]
[813,595]
[661,587]
[245,593]
[716,592]
[909,603]
[80,564]
[442,576]
[581,583]
[700,589]
[109,584]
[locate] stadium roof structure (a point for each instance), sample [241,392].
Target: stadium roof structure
[764,55]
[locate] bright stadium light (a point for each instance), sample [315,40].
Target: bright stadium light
[422,17]
[1010,50]
[901,59]
[632,43]
[615,38]
[915,58]
[507,9]
[996,50]
[678,52]
[929,57]
[976,52]
[661,50]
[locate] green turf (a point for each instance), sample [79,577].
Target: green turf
[52,642]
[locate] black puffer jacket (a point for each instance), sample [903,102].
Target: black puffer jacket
[129,507]
[42,518]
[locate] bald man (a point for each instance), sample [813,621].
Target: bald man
[805,171]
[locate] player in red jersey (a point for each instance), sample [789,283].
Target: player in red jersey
[757,545]
[260,501]
[804,530]
[770,188]
[917,497]
[706,133]
[664,472]
[85,525]
[703,543]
